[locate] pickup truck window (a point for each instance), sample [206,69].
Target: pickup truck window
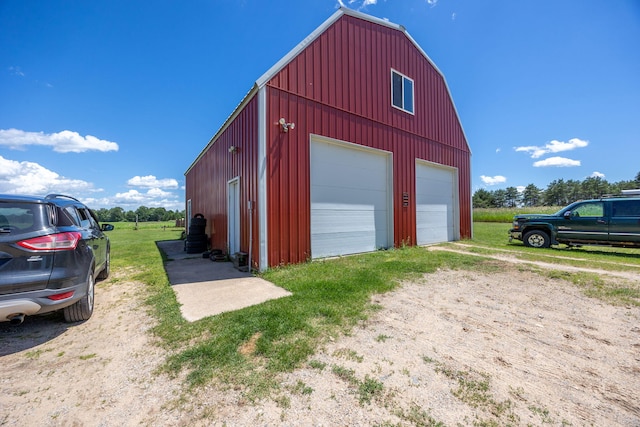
[589,210]
[626,208]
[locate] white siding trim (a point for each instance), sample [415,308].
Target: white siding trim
[263,244]
[234,216]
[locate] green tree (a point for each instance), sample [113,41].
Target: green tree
[593,187]
[102,214]
[556,193]
[130,216]
[482,199]
[143,213]
[573,191]
[499,198]
[512,197]
[116,214]
[531,195]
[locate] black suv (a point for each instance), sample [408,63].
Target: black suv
[612,221]
[51,251]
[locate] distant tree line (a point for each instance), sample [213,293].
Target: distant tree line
[143,214]
[557,193]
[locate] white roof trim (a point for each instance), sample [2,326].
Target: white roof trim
[316,33]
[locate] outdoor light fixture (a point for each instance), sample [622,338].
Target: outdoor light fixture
[286,126]
[233,149]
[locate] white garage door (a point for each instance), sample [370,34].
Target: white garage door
[350,199]
[436,203]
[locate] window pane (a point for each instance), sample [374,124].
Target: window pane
[626,208]
[408,95]
[590,210]
[396,89]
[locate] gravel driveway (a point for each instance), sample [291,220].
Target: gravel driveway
[457,348]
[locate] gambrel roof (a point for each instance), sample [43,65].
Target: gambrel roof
[297,50]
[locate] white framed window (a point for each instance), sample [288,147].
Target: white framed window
[401,91]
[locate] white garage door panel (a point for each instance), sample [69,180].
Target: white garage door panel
[334,166]
[347,232]
[349,200]
[435,204]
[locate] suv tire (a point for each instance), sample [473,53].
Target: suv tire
[536,239]
[82,309]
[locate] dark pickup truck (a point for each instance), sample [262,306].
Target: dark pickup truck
[612,221]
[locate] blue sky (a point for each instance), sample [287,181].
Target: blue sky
[111,101]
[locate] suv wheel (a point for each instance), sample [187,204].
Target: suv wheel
[83,308]
[536,239]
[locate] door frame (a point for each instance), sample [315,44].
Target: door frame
[233,215]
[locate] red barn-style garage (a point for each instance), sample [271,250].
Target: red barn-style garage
[350,143]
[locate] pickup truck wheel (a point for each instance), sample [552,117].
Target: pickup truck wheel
[536,239]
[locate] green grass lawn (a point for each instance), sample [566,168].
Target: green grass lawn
[248,348]
[506,215]
[493,236]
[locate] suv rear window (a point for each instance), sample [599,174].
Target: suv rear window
[19,216]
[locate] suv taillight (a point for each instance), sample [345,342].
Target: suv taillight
[53,242]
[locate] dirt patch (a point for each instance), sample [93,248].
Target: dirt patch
[458,347]
[100,372]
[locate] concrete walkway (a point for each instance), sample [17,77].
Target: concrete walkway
[206,288]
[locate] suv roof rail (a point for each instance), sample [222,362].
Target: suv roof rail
[60,196]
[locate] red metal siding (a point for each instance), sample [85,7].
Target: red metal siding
[206,181]
[348,67]
[340,87]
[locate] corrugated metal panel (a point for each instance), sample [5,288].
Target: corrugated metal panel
[206,181]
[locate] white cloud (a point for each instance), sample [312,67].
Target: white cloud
[556,162]
[16,71]
[150,181]
[597,174]
[130,196]
[32,178]
[553,146]
[61,142]
[153,198]
[493,180]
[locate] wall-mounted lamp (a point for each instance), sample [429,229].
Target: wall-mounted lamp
[286,126]
[233,149]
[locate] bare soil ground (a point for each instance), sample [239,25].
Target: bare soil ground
[455,348]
